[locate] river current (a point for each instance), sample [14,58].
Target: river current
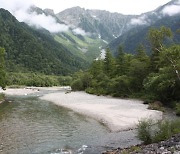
[29,125]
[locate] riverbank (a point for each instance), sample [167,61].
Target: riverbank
[30,90]
[169,146]
[116,114]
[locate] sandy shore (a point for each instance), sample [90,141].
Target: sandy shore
[18,91]
[117,114]
[30,90]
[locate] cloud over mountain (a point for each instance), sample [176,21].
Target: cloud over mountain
[172,9]
[20,9]
[80,32]
[142,20]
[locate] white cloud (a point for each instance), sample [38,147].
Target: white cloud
[172,9]
[80,31]
[121,6]
[41,21]
[13,5]
[142,20]
[20,8]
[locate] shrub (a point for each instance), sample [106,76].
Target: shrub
[77,85]
[178,109]
[162,131]
[144,131]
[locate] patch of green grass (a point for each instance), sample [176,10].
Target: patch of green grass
[92,46]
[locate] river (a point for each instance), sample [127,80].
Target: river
[30,125]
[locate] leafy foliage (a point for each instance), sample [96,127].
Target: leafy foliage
[130,75]
[144,132]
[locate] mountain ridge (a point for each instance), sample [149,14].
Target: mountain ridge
[137,35]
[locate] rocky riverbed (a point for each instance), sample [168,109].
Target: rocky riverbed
[170,146]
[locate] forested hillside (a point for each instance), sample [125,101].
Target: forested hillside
[28,49]
[79,42]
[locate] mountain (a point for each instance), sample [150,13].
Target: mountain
[29,49]
[76,40]
[91,30]
[103,24]
[154,19]
[33,48]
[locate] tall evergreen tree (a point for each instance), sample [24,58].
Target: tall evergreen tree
[108,63]
[141,53]
[2,68]
[120,61]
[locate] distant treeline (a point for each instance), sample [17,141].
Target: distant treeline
[36,79]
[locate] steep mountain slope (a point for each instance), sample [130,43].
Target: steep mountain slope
[30,50]
[83,46]
[131,39]
[79,43]
[102,24]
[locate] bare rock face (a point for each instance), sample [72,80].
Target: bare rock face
[49,11]
[105,24]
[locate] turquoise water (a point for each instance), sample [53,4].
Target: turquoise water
[30,125]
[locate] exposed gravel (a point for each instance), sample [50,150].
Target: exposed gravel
[170,146]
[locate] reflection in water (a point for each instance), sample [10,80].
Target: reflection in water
[30,125]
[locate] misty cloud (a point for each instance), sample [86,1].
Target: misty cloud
[172,9]
[41,21]
[142,20]
[80,32]
[19,9]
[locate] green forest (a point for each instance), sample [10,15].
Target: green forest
[31,50]
[153,77]
[150,77]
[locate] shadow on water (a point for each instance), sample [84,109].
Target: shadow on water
[30,125]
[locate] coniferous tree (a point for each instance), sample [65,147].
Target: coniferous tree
[120,62]
[2,68]
[108,63]
[141,53]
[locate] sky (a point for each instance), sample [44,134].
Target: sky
[120,6]
[20,9]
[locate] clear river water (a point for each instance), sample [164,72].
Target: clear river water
[29,125]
